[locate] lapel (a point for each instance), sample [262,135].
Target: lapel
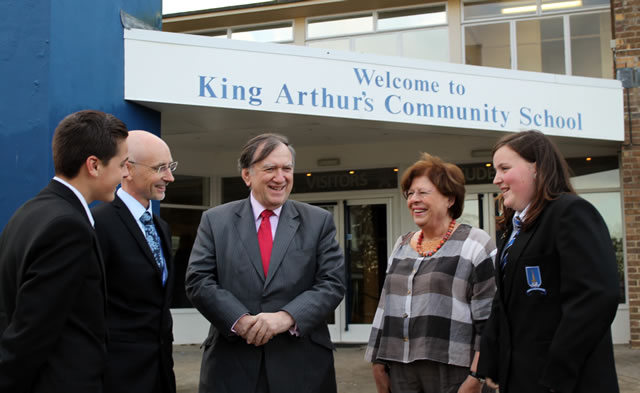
[513,260]
[502,242]
[164,232]
[245,226]
[287,226]
[130,223]
[96,248]
[65,193]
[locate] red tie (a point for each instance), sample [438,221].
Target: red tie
[265,239]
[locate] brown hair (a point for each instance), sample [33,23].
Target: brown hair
[447,177]
[552,173]
[269,142]
[83,134]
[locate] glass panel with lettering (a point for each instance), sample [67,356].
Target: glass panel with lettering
[541,45]
[488,45]
[590,51]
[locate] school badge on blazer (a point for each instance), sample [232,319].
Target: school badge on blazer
[534,279]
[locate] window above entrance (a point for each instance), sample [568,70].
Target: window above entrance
[480,9]
[281,32]
[398,32]
[558,37]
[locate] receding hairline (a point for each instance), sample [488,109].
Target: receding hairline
[143,144]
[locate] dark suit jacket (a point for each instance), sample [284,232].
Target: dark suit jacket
[306,278]
[559,339]
[140,324]
[52,298]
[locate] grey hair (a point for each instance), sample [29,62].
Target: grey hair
[269,142]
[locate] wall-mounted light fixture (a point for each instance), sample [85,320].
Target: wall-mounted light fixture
[328,161]
[481,153]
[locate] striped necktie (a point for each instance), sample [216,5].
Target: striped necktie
[517,225]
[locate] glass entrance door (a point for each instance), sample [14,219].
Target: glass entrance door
[366,252]
[363,231]
[479,211]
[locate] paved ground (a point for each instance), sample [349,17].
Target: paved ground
[354,374]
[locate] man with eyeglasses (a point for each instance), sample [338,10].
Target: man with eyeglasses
[136,245]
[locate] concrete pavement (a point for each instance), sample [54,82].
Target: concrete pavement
[354,374]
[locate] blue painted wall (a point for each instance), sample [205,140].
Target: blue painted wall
[58,57]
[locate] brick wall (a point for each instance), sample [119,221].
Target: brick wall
[626,26]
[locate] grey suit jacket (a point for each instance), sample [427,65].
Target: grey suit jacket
[306,278]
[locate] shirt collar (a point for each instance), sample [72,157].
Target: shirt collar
[258,208]
[80,197]
[134,206]
[522,214]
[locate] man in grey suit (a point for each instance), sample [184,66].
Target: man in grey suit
[267,285]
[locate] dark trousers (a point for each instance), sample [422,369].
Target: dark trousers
[263,383]
[426,376]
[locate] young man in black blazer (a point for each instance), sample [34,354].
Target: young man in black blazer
[139,281]
[52,284]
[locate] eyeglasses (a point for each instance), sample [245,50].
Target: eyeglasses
[160,168]
[420,194]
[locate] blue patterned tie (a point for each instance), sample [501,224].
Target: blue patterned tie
[517,224]
[154,243]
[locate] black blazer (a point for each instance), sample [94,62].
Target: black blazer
[52,298]
[554,332]
[306,278]
[140,324]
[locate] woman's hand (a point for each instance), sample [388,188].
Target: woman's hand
[470,385]
[381,377]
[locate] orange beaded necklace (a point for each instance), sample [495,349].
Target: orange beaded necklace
[444,239]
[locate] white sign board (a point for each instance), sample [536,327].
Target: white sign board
[203,71]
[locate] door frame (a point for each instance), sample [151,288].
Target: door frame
[340,331]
